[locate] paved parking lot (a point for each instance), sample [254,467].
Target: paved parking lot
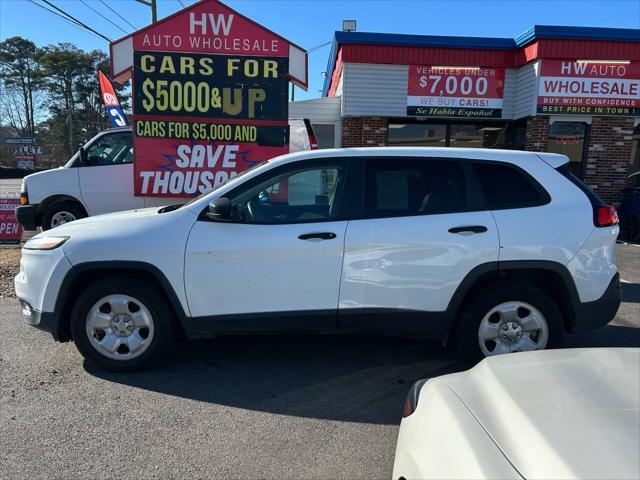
[238,407]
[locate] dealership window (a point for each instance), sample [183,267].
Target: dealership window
[635,150]
[417,134]
[325,134]
[477,135]
[568,138]
[452,134]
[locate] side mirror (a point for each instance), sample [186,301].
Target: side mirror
[83,155]
[220,210]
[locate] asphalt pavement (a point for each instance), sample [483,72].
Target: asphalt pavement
[236,407]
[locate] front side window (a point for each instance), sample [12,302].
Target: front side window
[304,194]
[112,149]
[505,186]
[413,186]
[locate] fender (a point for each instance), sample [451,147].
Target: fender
[502,268]
[61,306]
[59,197]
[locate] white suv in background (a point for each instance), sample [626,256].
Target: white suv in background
[99,179]
[498,250]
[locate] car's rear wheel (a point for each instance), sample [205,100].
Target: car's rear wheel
[61,213]
[506,319]
[121,324]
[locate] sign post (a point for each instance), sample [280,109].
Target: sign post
[209,97]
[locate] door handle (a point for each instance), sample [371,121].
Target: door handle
[320,236]
[468,229]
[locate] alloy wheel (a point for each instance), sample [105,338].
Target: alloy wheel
[120,327]
[512,327]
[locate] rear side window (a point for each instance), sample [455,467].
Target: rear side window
[505,186]
[397,187]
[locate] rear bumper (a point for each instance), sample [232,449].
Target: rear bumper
[596,314]
[27,216]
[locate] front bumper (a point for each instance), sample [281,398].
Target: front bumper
[27,216]
[37,286]
[47,321]
[596,314]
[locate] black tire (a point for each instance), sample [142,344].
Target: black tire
[158,306]
[480,304]
[72,208]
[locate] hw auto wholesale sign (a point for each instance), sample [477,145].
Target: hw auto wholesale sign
[591,88]
[467,92]
[209,99]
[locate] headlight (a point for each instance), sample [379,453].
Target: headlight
[45,243]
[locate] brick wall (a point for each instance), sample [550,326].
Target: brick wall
[364,131]
[609,156]
[537,134]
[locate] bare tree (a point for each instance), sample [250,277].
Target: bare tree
[20,76]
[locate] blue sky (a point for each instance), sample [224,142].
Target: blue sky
[312,22]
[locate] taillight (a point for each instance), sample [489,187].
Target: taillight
[24,198]
[606,216]
[411,403]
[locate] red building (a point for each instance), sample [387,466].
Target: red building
[572,90]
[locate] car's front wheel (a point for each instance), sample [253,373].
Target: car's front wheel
[121,324]
[508,318]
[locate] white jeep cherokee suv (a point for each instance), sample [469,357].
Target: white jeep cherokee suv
[498,250]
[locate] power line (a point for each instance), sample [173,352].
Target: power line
[61,16]
[123,19]
[107,19]
[319,46]
[181,3]
[76,20]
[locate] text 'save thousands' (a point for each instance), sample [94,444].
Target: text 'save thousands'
[201,119]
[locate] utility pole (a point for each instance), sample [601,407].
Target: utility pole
[71,143]
[154,9]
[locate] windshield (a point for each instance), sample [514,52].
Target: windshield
[231,180]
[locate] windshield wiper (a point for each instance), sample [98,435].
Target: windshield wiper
[170,208]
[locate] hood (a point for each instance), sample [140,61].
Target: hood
[128,220]
[558,414]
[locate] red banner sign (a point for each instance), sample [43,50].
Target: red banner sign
[211,27]
[592,88]
[469,92]
[10,229]
[190,168]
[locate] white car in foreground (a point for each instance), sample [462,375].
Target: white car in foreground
[556,414]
